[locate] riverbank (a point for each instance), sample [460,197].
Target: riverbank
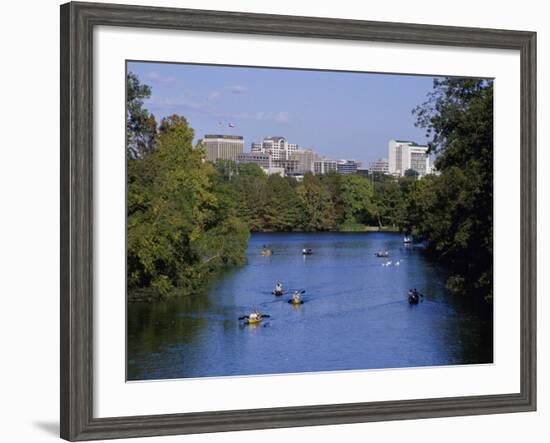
[352,227]
[366,228]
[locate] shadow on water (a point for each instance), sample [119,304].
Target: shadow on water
[355,316]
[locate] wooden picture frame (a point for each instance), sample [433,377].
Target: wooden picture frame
[77,23]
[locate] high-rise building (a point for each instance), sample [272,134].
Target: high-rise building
[347,166]
[259,158]
[291,167]
[324,166]
[277,147]
[223,147]
[379,166]
[305,158]
[405,155]
[256,147]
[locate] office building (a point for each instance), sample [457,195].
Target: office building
[258,158]
[291,167]
[223,147]
[256,147]
[407,155]
[305,159]
[347,166]
[277,147]
[324,166]
[274,170]
[380,166]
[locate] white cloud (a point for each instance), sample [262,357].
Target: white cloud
[186,103]
[237,89]
[280,117]
[213,95]
[155,77]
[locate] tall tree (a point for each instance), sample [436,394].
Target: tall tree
[454,214]
[357,194]
[141,125]
[318,211]
[184,227]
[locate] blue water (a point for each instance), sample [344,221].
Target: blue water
[355,316]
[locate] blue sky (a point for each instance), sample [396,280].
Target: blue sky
[338,114]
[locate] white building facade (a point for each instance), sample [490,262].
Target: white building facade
[222,147]
[277,147]
[407,155]
[324,166]
[380,166]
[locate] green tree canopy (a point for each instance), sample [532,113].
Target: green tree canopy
[141,126]
[454,212]
[357,194]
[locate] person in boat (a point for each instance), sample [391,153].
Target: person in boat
[278,289]
[307,251]
[296,298]
[414,296]
[255,316]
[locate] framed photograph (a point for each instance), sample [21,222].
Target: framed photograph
[272,221]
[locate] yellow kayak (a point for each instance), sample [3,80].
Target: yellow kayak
[294,301]
[267,252]
[253,321]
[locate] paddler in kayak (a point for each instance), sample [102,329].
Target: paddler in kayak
[278,289]
[414,296]
[296,298]
[266,250]
[254,317]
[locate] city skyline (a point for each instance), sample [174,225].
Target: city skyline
[338,114]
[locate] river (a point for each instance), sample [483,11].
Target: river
[355,314]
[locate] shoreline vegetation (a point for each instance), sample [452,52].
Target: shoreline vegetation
[188,218]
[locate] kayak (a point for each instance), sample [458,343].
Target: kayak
[253,321]
[267,252]
[296,302]
[277,293]
[414,299]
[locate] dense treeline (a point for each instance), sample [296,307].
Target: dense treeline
[181,225]
[326,202]
[453,212]
[188,217]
